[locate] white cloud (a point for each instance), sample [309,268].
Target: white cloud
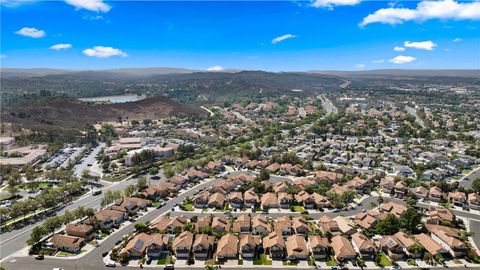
[379,61]
[3,56]
[457,40]
[401,59]
[15,3]
[215,68]
[104,52]
[282,38]
[421,45]
[399,49]
[426,10]
[329,4]
[360,66]
[92,5]
[31,32]
[61,46]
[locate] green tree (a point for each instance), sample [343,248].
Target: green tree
[388,226]
[142,183]
[410,220]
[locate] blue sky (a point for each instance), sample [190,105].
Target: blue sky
[275,36]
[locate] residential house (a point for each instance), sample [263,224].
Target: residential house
[203,222]
[409,244]
[152,245]
[260,225]
[357,184]
[201,199]
[79,230]
[327,224]
[474,201]
[449,238]
[342,248]
[285,200]
[296,248]
[130,204]
[430,245]
[242,224]
[363,245]
[220,224]
[236,199]
[420,192]
[393,208]
[280,187]
[283,225]
[268,201]
[331,177]
[387,184]
[345,225]
[179,181]
[274,244]
[391,246]
[439,216]
[436,195]
[203,246]
[249,245]
[250,198]
[401,189]
[216,200]
[318,246]
[182,245]
[108,218]
[227,247]
[457,198]
[67,243]
[169,224]
[300,225]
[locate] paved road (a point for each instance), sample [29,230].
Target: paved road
[413,112]
[14,241]
[89,159]
[467,180]
[93,260]
[327,105]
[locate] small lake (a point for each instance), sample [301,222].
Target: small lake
[112,99]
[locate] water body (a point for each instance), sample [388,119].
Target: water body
[112,99]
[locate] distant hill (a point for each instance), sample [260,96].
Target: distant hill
[76,114]
[403,73]
[127,72]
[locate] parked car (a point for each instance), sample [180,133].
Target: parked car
[110,264]
[40,257]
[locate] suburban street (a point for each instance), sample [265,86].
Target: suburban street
[413,112]
[467,180]
[93,259]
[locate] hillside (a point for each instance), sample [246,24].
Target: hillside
[76,114]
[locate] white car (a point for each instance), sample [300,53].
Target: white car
[110,264]
[57,268]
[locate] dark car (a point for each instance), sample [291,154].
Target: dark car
[169,267]
[105,253]
[40,257]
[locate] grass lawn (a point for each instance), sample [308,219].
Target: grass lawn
[165,260]
[240,262]
[332,261]
[263,260]
[64,254]
[411,262]
[385,261]
[156,204]
[297,208]
[187,207]
[288,263]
